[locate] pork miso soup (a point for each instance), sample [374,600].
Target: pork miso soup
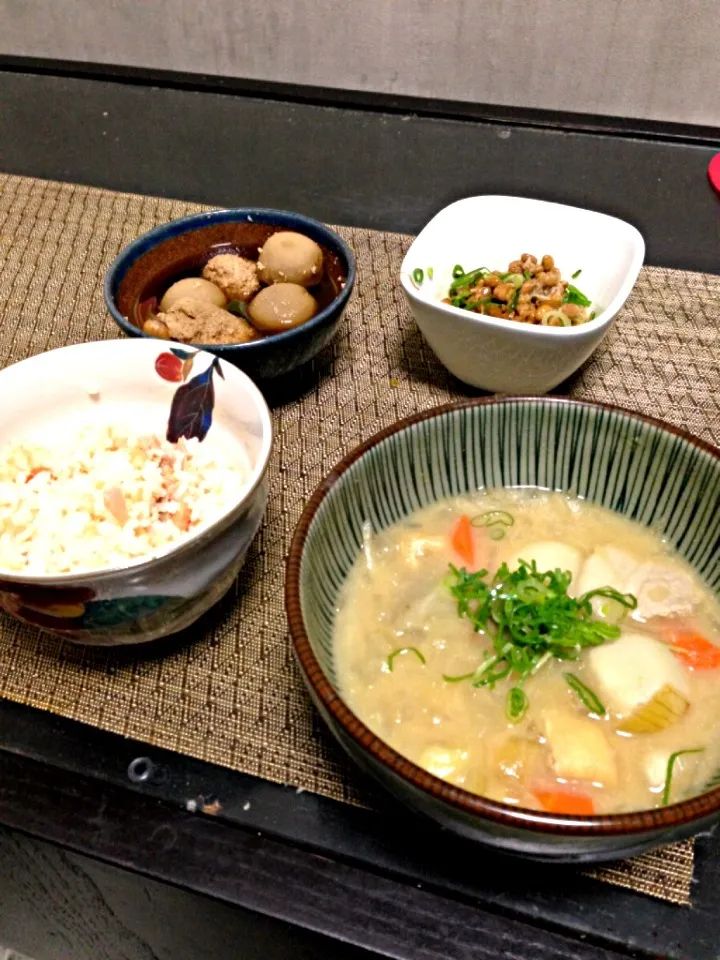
[537,650]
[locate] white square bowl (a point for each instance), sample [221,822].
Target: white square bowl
[505,356]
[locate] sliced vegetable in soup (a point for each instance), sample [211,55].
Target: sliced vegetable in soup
[537,650]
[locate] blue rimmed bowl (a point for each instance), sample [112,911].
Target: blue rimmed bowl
[156,258]
[639,467]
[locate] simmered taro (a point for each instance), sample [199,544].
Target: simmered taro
[197,289]
[281,306]
[291,258]
[235,292]
[537,650]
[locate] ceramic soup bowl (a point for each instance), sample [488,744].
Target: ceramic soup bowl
[638,467]
[149,388]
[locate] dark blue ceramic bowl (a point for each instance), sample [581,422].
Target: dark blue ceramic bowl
[149,264]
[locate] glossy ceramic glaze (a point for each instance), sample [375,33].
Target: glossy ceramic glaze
[136,383]
[505,356]
[154,255]
[635,466]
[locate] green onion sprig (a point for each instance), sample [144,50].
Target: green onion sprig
[586,695]
[671,768]
[573,295]
[401,651]
[238,307]
[530,618]
[496,521]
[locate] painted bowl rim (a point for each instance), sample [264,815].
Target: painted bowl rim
[639,822]
[189,544]
[133,251]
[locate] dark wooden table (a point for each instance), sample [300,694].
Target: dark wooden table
[93,863]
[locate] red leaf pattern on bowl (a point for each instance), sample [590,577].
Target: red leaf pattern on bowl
[170,367]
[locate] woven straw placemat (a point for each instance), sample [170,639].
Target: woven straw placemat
[229,692]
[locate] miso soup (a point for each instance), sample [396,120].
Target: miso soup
[537,650]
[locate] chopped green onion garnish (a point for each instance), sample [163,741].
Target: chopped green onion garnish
[576,274]
[527,274]
[430,273]
[669,773]
[530,618]
[401,651]
[496,520]
[517,704]
[573,295]
[491,517]
[418,276]
[610,593]
[458,271]
[714,781]
[588,697]
[238,307]
[464,676]
[463,280]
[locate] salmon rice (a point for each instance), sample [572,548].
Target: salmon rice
[108,497]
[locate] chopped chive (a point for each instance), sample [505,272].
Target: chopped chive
[626,600]
[418,276]
[714,781]
[491,517]
[463,280]
[401,651]
[464,676]
[573,295]
[670,768]
[430,273]
[576,274]
[458,271]
[586,695]
[529,618]
[472,304]
[517,704]
[237,307]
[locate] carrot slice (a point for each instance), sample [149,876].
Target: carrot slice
[694,650]
[462,540]
[562,801]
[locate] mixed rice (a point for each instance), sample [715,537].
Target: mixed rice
[107,497]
